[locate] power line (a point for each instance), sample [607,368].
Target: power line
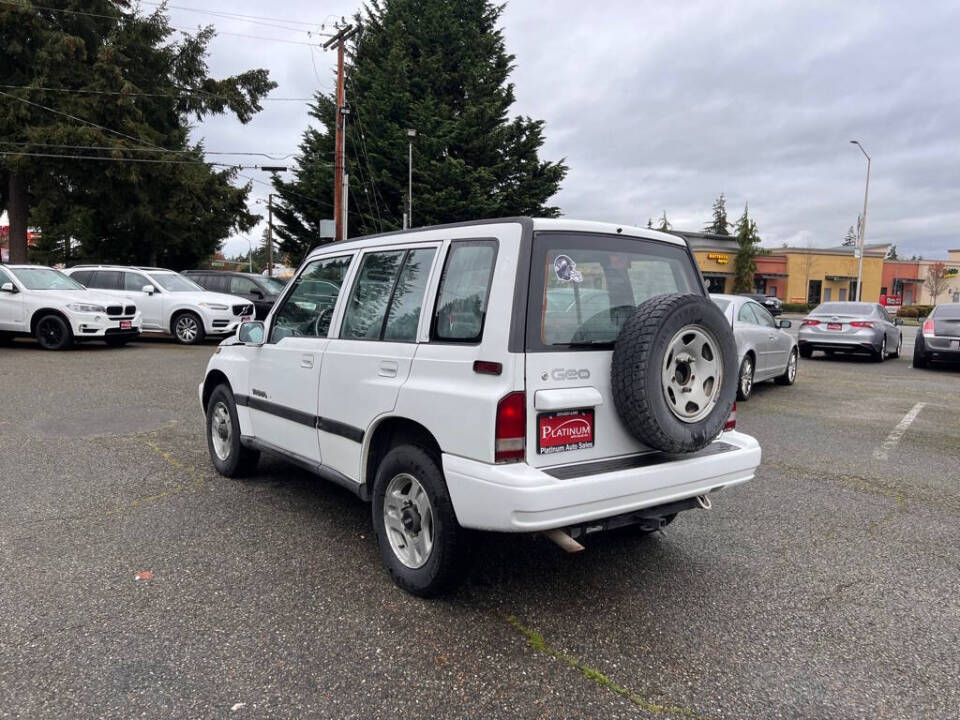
[146,94]
[230,14]
[143,149]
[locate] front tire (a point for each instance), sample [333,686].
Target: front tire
[228,455]
[745,379]
[789,376]
[187,328]
[421,543]
[896,353]
[53,333]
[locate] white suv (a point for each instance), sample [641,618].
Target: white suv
[170,302]
[45,303]
[518,375]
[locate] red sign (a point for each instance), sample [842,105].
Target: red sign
[891,300]
[563,431]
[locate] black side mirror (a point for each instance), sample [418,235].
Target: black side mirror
[784,324]
[257,293]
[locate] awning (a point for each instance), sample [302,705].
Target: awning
[717,274]
[836,278]
[907,280]
[771,275]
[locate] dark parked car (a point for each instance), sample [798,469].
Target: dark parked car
[771,303]
[261,290]
[939,338]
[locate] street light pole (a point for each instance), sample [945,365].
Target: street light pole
[411,134]
[250,254]
[270,235]
[863,223]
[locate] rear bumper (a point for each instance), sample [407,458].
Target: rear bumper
[521,498]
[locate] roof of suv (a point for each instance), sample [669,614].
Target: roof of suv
[535,224]
[120,267]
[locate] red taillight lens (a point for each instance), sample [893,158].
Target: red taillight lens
[732,420]
[809,322]
[511,431]
[862,324]
[927,328]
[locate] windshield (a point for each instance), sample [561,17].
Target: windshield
[273,285]
[171,282]
[41,278]
[844,308]
[585,287]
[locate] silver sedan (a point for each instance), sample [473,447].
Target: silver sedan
[853,327]
[764,350]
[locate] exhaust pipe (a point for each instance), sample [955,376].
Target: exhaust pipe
[566,542]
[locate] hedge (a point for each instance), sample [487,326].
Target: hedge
[797,307]
[912,311]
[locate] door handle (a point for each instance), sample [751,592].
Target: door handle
[306,361]
[388,368]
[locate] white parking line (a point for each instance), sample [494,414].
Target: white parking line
[894,437]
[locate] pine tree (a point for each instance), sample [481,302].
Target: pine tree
[850,238]
[664,224]
[149,87]
[744,264]
[719,225]
[891,253]
[440,67]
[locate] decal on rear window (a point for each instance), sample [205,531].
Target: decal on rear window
[566,269]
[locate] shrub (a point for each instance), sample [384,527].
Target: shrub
[796,307]
[914,311]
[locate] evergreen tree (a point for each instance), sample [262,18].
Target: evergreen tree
[440,67]
[892,253]
[664,224]
[719,225]
[850,238]
[147,88]
[744,264]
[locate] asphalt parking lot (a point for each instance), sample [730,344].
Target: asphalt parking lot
[826,588]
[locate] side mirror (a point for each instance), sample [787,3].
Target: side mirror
[251,333]
[257,293]
[8,287]
[149,289]
[784,324]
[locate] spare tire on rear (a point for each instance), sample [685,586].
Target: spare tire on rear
[674,372]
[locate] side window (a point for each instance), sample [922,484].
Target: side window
[368,302]
[134,282]
[308,307]
[464,290]
[107,280]
[215,282]
[4,278]
[241,285]
[82,276]
[403,314]
[746,315]
[763,316]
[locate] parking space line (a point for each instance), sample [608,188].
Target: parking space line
[893,439]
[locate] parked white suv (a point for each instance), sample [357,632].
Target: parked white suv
[517,375]
[170,302]
[45,303]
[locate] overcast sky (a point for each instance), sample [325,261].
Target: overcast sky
[662,105]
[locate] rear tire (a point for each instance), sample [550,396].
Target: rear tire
[896,353]
[53,333]
[745,379]
[421,543]
[882,354]
[789,376]
[187,328]
[228,455]
[920,359]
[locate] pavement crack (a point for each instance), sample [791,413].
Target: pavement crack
[537,642]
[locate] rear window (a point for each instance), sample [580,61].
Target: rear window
[585,287]
[948,312]
[841,308]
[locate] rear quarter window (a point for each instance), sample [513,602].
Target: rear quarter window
[461,307]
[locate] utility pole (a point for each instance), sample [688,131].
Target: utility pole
[270,235]
[863,225]
[339,138]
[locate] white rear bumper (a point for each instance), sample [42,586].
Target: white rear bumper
[520,498]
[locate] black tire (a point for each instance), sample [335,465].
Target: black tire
[896,353]
[920,359]
[53,333]
[237,460]
[806,353]
[447,560]
[187,328]
[788,377]
[640,359]
[881,354]
[745,384]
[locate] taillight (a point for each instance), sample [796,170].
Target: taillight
[927,329]
[732,420]
[862,324]
[511,430]
[809,322]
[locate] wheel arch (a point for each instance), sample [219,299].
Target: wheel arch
[210,382]
[37,314]
[177,311]
[386,434]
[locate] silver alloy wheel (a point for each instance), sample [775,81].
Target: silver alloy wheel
[408,520]
[221,430]
[187,328]
[692,373]
[746,377]
[792,367]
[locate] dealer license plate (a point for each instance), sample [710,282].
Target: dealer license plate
[125,325]
[834,326]
[563,431]
[246,318]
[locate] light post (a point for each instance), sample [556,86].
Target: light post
[408,216]
[249,253]
[863,223]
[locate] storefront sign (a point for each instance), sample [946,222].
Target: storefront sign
[721,258]
[891,300]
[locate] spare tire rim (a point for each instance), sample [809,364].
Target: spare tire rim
[692,373]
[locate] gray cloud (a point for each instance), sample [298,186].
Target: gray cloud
[661,106]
